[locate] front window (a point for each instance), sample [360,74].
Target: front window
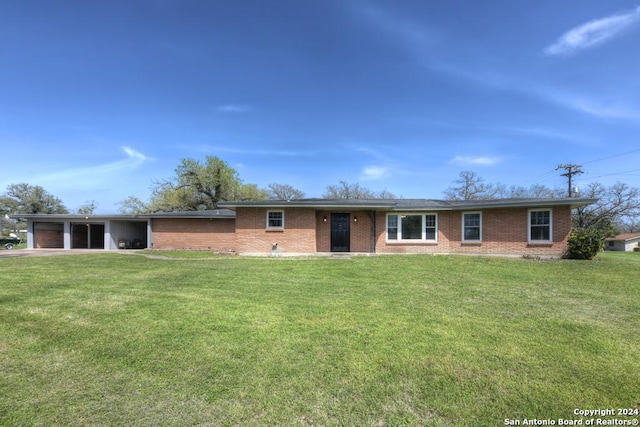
[472,227]
[392,227]
[275,219]
[412,227]
[430,227]
[540,226]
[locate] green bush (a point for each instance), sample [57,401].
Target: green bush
[585,243]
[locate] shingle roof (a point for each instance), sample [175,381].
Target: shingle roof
[411,204]
[625,236]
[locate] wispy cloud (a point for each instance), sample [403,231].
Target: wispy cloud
[593,33]
[476,160]
[414,36]
[607,111]
[91,176]
[234,108]
[212,149]
[603,110]
[371,173]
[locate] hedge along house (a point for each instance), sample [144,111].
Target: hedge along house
[535,227]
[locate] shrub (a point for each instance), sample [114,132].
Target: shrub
[585,243]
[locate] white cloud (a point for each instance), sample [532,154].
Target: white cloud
[614,112]
[593,33]
[234,108]
[476,160]
[207,149]
[93,176]
[370,173]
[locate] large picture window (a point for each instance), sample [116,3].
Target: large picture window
[275,219]
[412,227]
[472,227]
[540,225]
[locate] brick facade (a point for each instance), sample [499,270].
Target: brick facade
[308,231]
[216,234]
[504,232]
[297,236]
[360,230]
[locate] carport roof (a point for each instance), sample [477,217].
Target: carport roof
[217,213]
[78,217]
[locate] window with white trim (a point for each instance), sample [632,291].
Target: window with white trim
[411,227]
[275,219]
[472,227]
[540,225]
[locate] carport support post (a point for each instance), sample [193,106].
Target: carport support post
[107,235]
[30,228]
[67,235]
[149,235]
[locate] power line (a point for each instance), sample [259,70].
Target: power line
[611,157]
[549,174]
[539,178]
[614,174]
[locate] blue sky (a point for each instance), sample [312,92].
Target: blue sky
[100,98]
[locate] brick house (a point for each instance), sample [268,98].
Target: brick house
[535,227]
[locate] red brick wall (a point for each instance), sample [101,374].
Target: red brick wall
[216,234]
[360,229]
[504,231]
[297,236]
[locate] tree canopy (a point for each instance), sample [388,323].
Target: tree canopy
[23,198]
[196,186]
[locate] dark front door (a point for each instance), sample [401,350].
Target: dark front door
[340,234]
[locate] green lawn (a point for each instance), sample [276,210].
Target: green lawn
[120,339]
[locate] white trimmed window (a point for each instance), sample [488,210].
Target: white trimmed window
[472,227]
[540,226]
[275,219]
[411,227]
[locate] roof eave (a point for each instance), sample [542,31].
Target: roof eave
[313,205]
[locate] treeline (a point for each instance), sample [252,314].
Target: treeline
[201,185]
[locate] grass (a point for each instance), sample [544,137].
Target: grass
[114,339]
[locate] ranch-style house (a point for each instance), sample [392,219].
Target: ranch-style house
[533,227]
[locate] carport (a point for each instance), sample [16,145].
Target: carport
[106,232]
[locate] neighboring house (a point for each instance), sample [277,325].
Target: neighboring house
[623,242]
[534,227]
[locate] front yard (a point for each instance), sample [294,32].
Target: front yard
[120,339]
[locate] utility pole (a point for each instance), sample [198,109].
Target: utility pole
[570,171]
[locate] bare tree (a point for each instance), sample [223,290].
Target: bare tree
[615,204]
[284,192]
[346,190]
[470,186]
